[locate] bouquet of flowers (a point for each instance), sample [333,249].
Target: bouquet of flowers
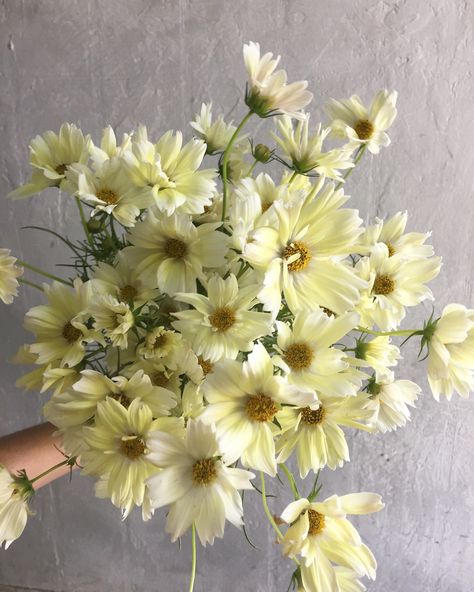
[218,321]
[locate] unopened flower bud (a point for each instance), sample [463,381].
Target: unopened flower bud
[94,226]
[262,153]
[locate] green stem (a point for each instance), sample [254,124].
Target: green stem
[193,565]
[267,509]
[360,153]
[45,273]
[291,481]
[69,461]
[292,178]
[32,284]
[84,222]
[388,333]
[269,514]
[250,171]
[225,160]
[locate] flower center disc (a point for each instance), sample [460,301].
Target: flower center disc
[206,366]
[316,522]
[312,416]
[298,356]
[70,333]
[128,293]
[107,195]
[204,471]
[391,249]
[222,319]
[175,248]
[61,169]
[261,408]
[297,255]
[383,284]
[364,129]
[132,447]
[159,379]
[122,399]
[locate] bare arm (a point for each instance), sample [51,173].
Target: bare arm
[36,450]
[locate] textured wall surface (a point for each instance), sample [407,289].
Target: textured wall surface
[122,62]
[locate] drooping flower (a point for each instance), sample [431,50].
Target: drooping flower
[315,433]
[307,357]
[393,284]
[196,483]
[451,353]
[168,172]
[306,152]
[222,323]
[51,155]
[164,346]
[9,272]
[322,535]
[176,251]
[243,402]
[390,401]
[14,510]
[268,91]
[59,326]
[362,126]
[301,255]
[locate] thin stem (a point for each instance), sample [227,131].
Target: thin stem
[292,178]
[225,160]
[388,333]
[193,564]
[250,170]
[360,153]
[69,461]
[270,517]
[32,284]
[84,222]
[267,510]
[291,481]
[45,273]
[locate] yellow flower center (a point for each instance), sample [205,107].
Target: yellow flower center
[70,333]
[312,416]
[316,522]
[132,446]
[364,129]
[261,408]
[107,195]
[61,169]
[383,285]
[222,318]
[206,366]
[128,293]
[175,248]
[298,256]
[391,249]
[328,311]
[204,471]
[298,356]
[265,206]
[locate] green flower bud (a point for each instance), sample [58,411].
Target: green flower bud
[94,226]
[262,153]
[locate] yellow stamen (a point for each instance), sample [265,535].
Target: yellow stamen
[298,356]
[383,284]
[316,522]
[107,195]
[175,248]
[364,129]
[132,446]
[70,333]
[204,471]
[261,408]
[312,416]
[297,255]
[222,318]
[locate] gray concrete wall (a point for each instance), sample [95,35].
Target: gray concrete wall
[122,62]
